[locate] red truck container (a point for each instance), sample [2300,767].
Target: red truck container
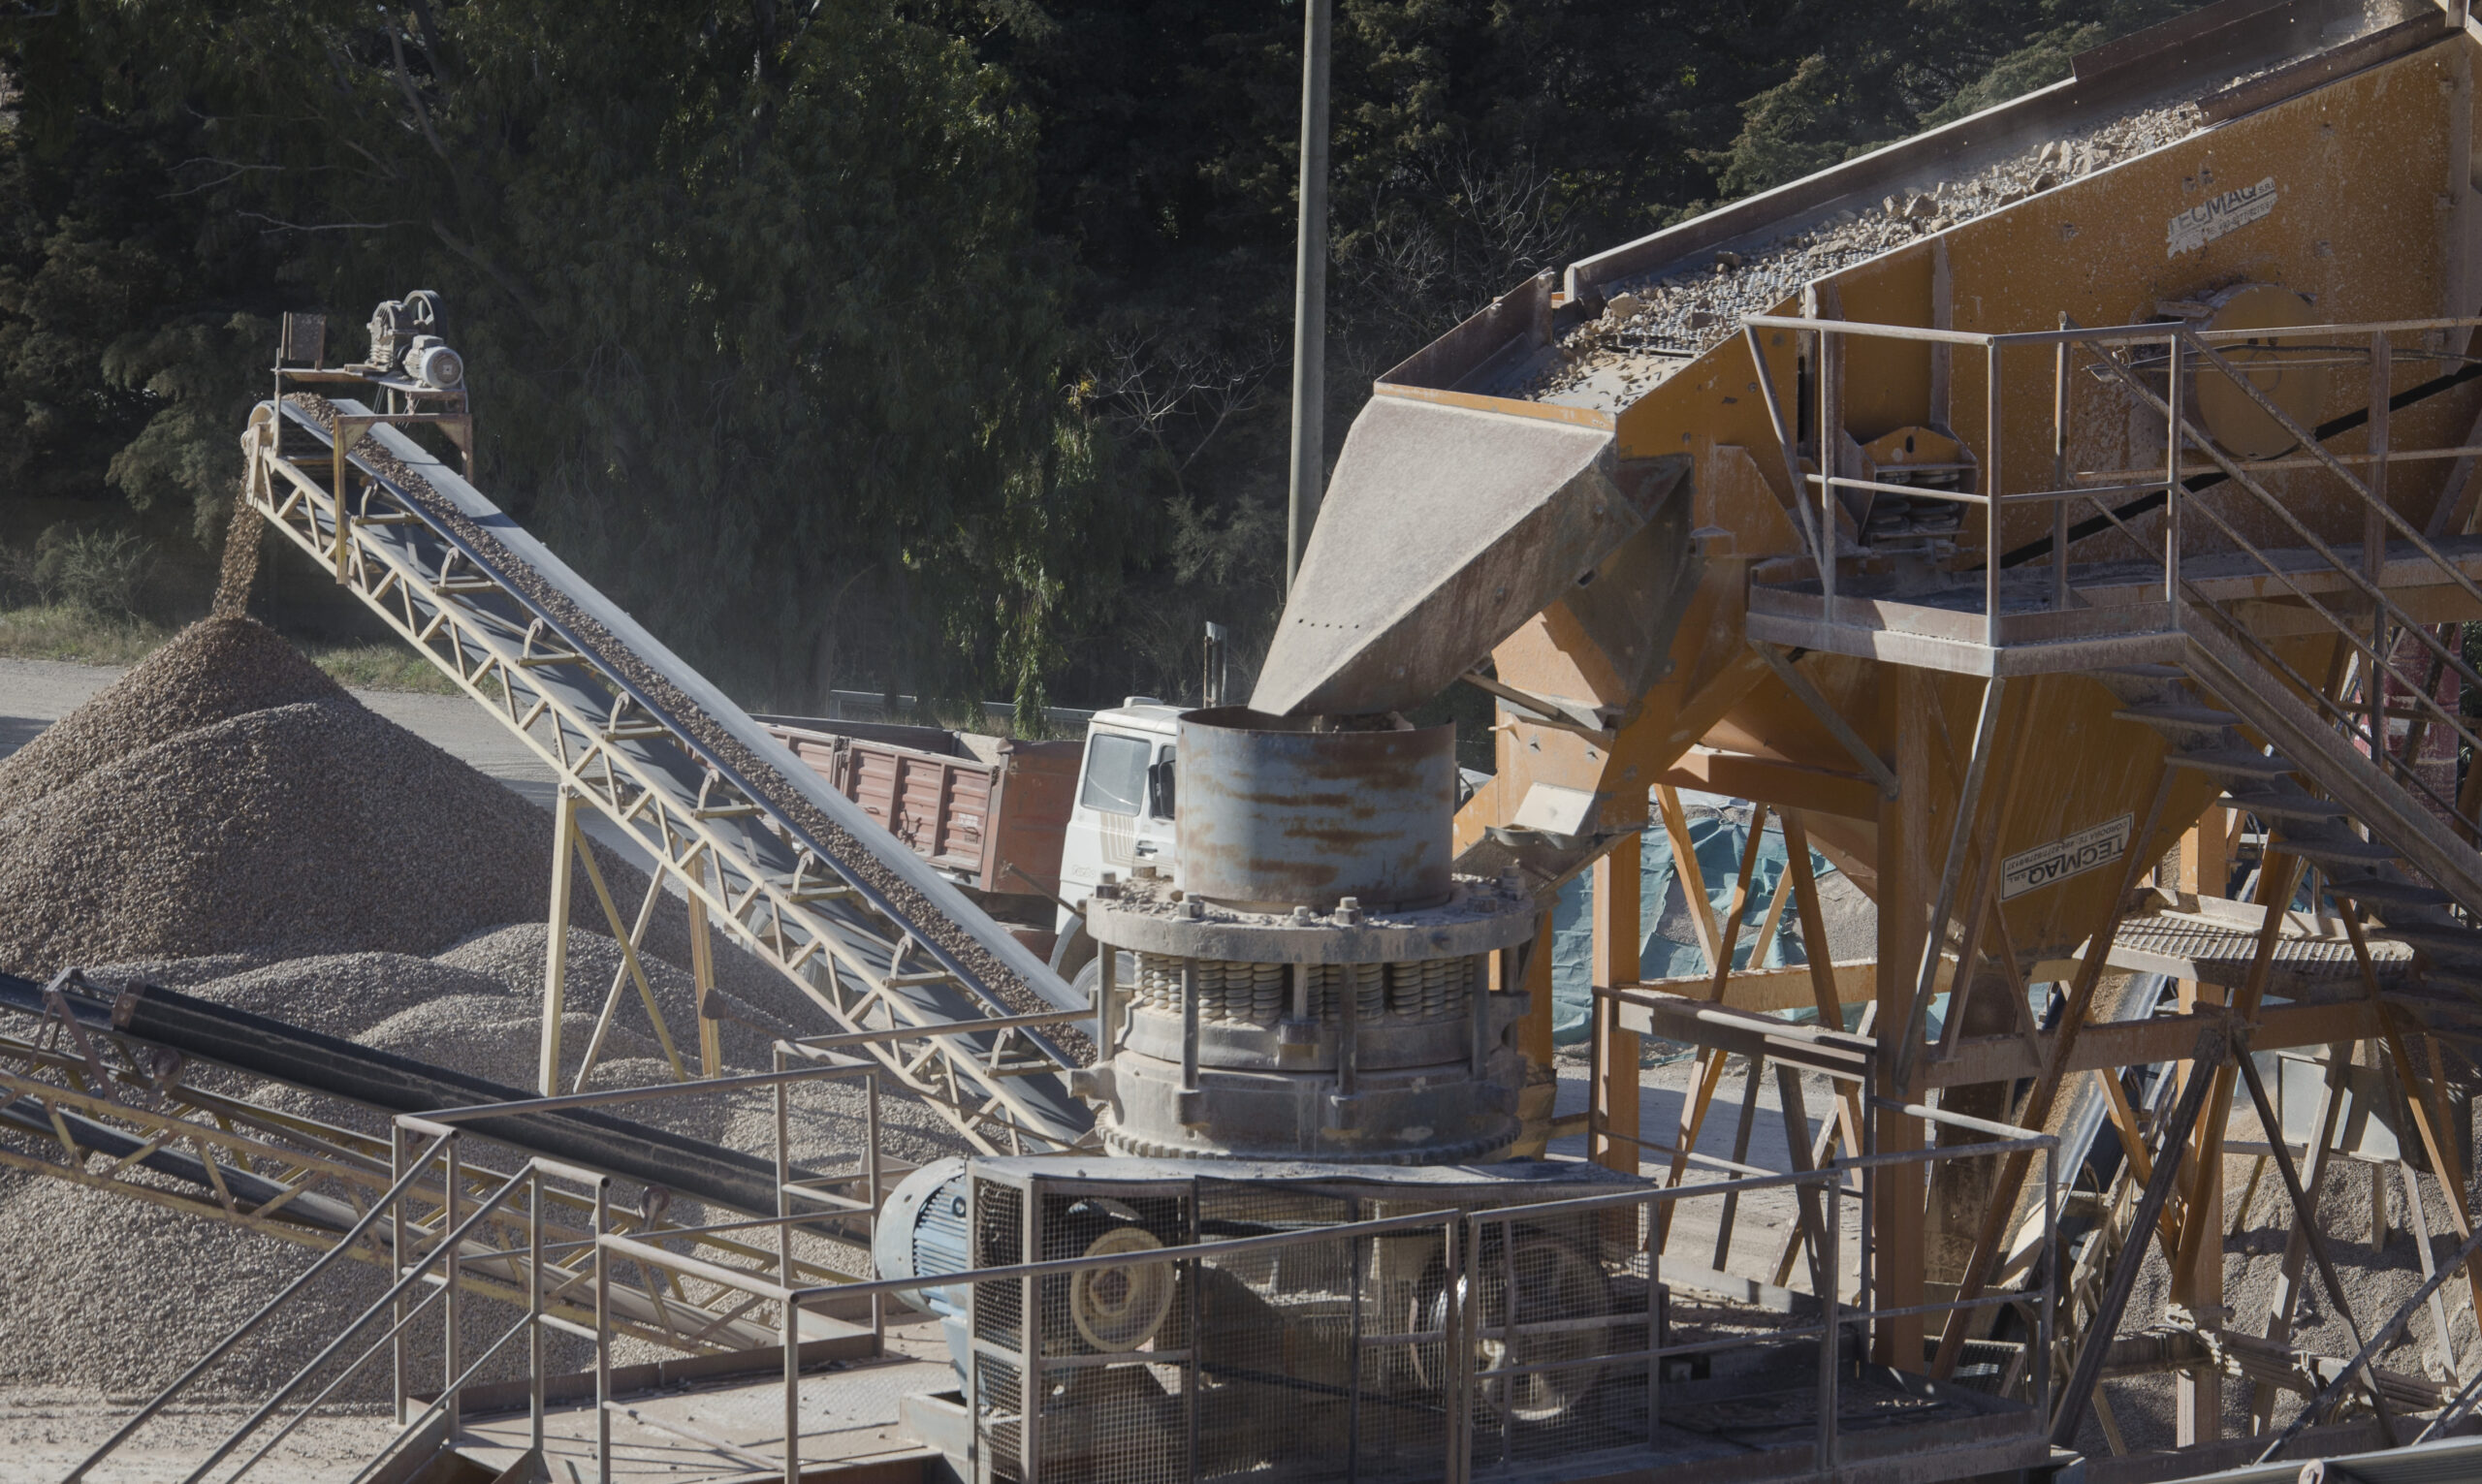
[988,812]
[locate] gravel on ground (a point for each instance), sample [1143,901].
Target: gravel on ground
[224,820]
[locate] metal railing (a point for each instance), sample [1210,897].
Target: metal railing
[445,1230]
[2357,605]
[1485,1352]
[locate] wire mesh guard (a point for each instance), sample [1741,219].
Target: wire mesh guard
[1324,1357]
[1561,1333]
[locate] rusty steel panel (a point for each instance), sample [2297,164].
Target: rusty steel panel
[938,805]
[1274,815]
[952,808]
[1031,797]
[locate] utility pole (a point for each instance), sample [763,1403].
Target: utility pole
[1309,295]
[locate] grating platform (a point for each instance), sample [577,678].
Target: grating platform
[2219,951]
[2116,613]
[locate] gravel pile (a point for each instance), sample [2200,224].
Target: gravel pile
[129,1294]
[759,1005]
[819,830]
[1652,324]
[314,827]
[226,821]
[211,671]
[226,796]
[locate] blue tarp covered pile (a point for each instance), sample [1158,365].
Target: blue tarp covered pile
[1719,843]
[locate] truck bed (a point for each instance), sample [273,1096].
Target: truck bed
[989,811]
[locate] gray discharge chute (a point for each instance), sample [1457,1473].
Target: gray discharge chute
[1444,530]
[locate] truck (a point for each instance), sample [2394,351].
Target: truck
[1119,821]
[1026,829]
[987,813]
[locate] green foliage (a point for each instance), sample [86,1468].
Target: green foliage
[1804,123]
[198,375]
[125,340]
[936,346]
[90,570]
[75,636]
[749,300]
[1873,74]
[382,667]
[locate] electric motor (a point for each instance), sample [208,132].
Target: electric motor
[430,361]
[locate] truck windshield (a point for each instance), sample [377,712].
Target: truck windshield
[1115,773]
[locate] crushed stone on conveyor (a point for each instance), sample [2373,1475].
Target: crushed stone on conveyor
[1653,325]
[773,788]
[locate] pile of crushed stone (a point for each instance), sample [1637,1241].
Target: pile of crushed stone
[210,672]
[226,796]
[1654,324]
[226,821]
[151,1290]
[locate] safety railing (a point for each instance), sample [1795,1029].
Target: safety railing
[451,1232]
[1506,1359]
[435,1270]
[2163,368]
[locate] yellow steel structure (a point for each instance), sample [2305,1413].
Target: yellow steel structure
[2214,409]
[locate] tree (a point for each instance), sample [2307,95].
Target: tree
[751,309]
[927,345]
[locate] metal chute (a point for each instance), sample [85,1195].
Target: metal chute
[1443,531]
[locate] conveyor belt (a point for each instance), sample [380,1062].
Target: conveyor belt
[793,868]
[263,1047]
[80,1103]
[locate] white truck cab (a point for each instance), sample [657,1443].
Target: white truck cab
[1122,817]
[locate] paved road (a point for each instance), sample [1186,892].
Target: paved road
[33,693]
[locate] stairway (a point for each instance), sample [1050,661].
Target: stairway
[2219,686]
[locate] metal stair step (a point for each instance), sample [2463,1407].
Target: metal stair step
[2438,1009]
[2142,683]
[2177,717]
[2290,803]
[2147,672]
[2429,941]
[2337,849]
[2233,763]
[2371,892]
[2412,993]
[2466,982]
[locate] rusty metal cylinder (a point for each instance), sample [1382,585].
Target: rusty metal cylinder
[1275,813]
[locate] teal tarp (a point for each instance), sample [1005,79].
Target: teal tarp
[1719,843]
